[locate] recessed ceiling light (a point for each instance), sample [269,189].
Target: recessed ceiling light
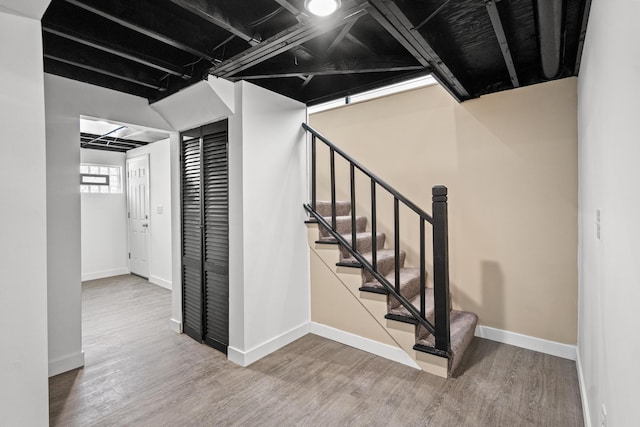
[322,7]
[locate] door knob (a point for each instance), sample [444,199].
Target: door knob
[145,225]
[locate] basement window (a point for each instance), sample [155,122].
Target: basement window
[100,179]
[373,94]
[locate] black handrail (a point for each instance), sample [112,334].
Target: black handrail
[441,327]
[370,174]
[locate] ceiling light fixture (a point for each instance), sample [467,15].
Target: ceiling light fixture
[322,7]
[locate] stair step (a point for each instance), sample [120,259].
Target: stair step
[463,326]
[364,243]
[400,311]
[343,225]
[324,208]
[385,261]
[409,285]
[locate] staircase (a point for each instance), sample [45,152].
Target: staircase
[418,318]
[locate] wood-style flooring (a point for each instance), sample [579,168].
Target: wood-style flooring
[140,373]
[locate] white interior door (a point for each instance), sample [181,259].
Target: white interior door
[138,206]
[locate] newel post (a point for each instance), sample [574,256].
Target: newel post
[441,268]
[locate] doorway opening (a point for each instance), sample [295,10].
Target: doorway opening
[117,192]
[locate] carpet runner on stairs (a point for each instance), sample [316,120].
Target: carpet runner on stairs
[462,324]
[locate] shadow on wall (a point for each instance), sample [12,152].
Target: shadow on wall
[491,294]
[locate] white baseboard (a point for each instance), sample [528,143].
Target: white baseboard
[246,358]
[365,344]
[175,326]
[66,363]
[553,348]
[586,415]
[104,273]
[160,281]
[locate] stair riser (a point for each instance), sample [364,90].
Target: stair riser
[364,245]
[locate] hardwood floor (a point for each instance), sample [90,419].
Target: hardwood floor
[140,373]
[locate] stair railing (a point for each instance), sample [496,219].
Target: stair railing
[441,327]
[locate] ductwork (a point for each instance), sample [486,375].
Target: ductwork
[550,16]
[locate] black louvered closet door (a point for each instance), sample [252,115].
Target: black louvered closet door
[191,237]
[216,239]
[205,231]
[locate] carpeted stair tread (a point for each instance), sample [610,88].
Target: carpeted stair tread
[364,243]
[385,262]
[409,285]
[463,327]
[324,208]
[343,225]
[402,311]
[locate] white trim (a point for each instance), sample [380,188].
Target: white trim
[365,344]
[66,363]
[586,415]
[105,273]
[553,348]
[160,281]
[175,326]
[248,357]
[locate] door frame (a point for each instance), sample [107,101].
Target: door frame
[148,197]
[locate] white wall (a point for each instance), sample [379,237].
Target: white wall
[275,254]
[159,200]
[609,151]
[23,246]
[65,101]
[104,224]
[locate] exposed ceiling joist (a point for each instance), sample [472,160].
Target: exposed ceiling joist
[302,17]
[354,66]
[128,78]
[292,9]
[209,12]
[494,15]
[120,51]
[389,15]
[343,33]
[285,41]
[90,140]
[145,31]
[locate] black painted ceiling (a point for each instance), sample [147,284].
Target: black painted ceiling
[153,48]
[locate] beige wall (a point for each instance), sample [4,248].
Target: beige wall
[510,163]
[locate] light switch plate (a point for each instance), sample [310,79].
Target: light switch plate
[159,209]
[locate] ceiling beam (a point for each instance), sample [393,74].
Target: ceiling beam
[103,71]
[93,139]
[302,17]
[209,12]
[355,66]
[498,29]
[285,41]
[343,33]
[117,50]
[292,10]
[389,15]
[140,29]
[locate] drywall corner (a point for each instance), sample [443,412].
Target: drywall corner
[199,104]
